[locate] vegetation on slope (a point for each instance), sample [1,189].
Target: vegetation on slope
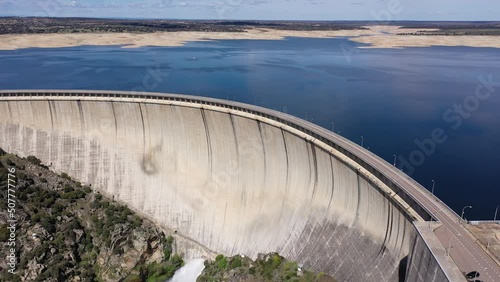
[269,267]
[66,232]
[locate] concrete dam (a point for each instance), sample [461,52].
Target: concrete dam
[231,177]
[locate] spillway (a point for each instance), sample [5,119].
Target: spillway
[234,178]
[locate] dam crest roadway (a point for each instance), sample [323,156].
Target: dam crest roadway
[240,179]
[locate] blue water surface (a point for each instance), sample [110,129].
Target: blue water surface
[394,98]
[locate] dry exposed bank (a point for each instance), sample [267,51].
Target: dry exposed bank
[375,36]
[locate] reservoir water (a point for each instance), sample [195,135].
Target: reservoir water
[436,108]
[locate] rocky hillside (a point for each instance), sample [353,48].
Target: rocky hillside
[56,229]
[266,268]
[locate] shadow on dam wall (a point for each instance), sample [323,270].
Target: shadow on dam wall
[234,183]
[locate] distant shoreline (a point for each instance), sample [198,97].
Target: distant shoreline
[69,25]
[28,32]
[387,36]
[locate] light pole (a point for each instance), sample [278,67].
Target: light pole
[333,127]
[496,211]
[433,184]
[362,141]
[463,211]
[488,246]
[394,160]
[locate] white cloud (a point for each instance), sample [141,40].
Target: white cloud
[69,3]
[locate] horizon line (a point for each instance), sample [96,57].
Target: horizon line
[243,19]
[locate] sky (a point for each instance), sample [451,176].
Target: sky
[378,10]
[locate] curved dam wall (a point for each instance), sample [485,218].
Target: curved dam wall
[234,181]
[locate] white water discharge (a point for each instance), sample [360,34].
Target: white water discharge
[189,272]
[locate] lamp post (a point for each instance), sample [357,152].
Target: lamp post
[333,127]
[362,141]
[463,211]
[496,211]
[488,246]
[394,160]
[433,184]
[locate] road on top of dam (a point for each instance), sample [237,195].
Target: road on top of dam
[458,241]
[461,245]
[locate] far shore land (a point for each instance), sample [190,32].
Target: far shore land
[383,36]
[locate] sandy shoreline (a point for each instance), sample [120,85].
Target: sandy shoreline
[376,36]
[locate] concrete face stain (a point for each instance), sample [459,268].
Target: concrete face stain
[150,163]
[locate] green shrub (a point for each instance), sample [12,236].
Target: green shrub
[167,249]
[276,261]
[34,160]
[109,211]
[65,176]
[177,261]
[105,233]
[96,204]
[87,189]
[73,195]
[117,251]
[219,257]
[22,195]
[235,262]
[68,188]
[126,212]
[48,223]
[37,217]
[57,208]
[221,262]
[48,202]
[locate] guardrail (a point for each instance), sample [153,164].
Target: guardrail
[314,131]
[476,222]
